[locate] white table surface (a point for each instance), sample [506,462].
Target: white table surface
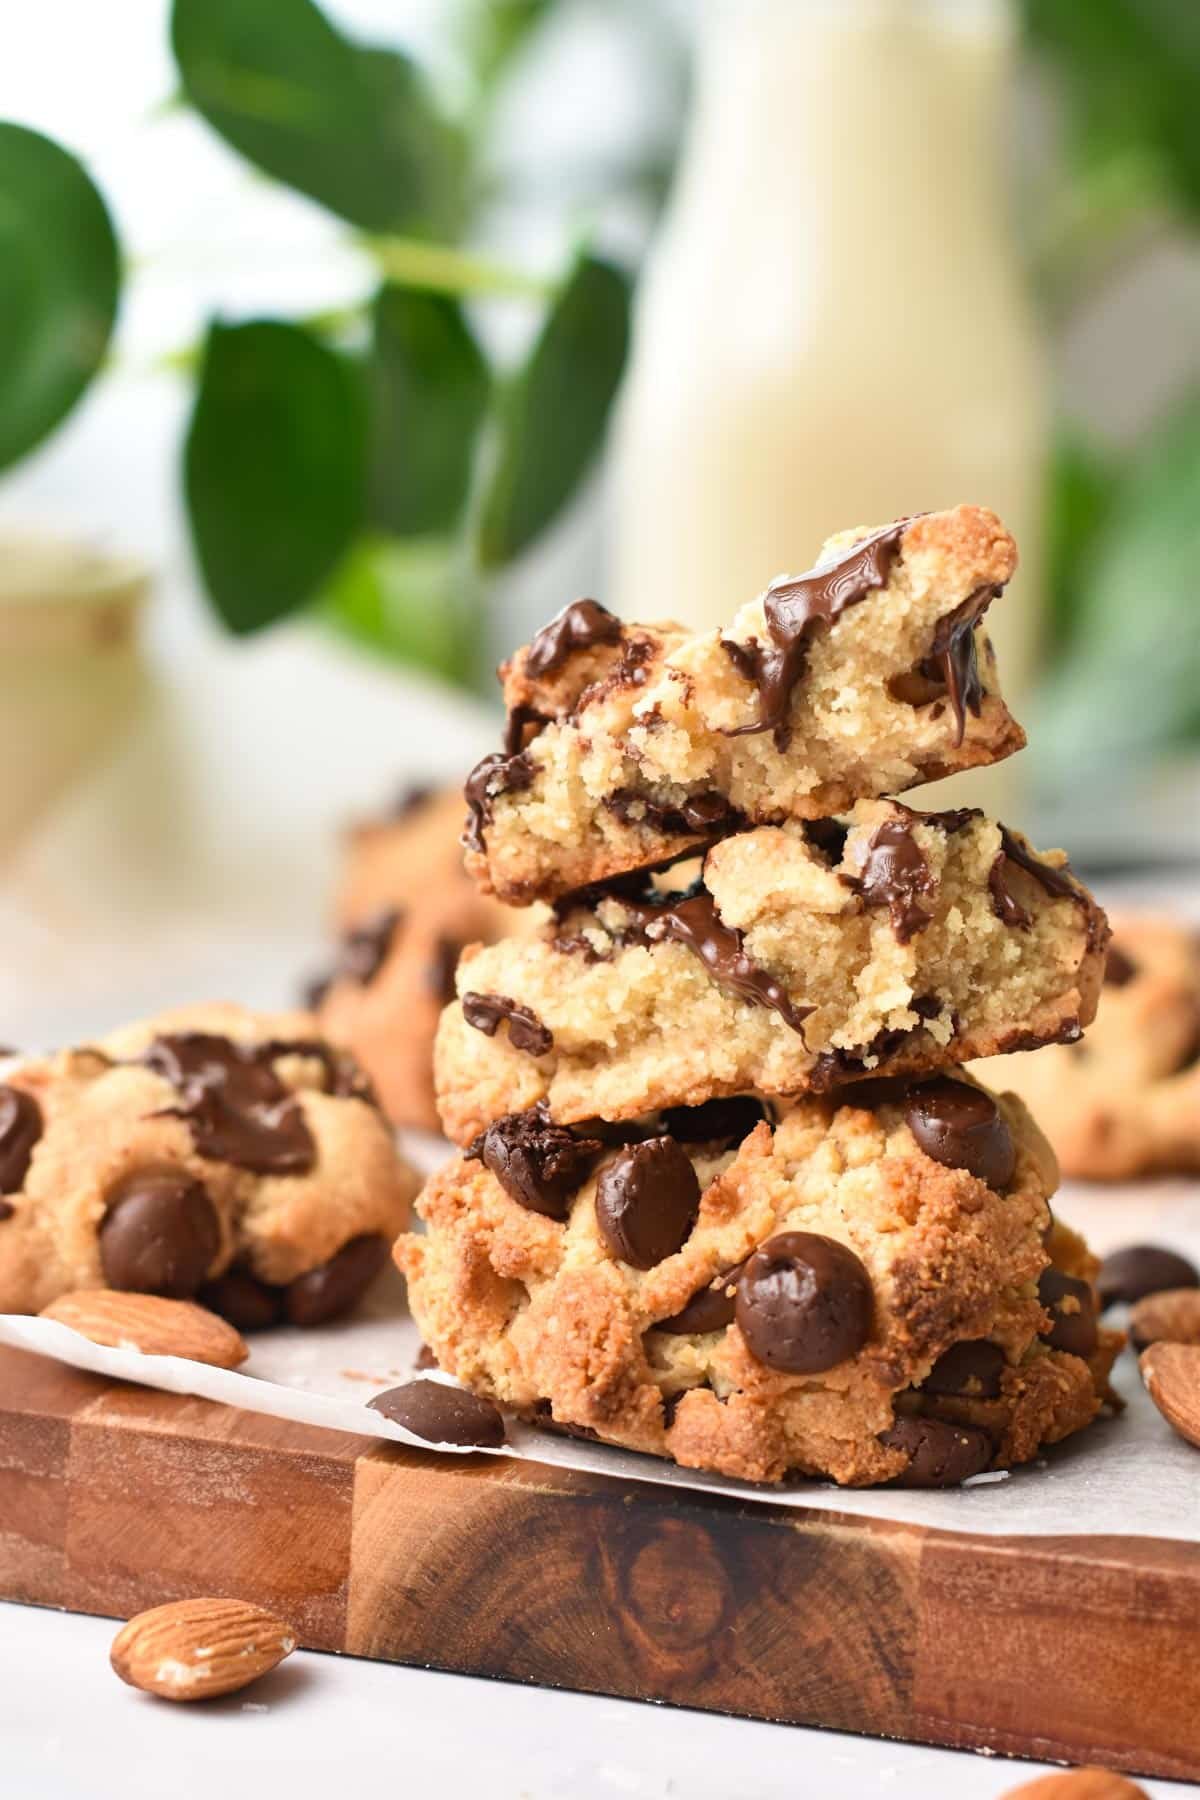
[72,1731]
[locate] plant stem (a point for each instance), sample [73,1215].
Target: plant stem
[412,263]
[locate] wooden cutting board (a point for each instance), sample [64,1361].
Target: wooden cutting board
[114,1498]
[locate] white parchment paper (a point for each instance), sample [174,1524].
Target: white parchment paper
[1126,1476]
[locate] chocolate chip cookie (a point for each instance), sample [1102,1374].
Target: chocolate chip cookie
[806,955]
[405,909]
[209,1152]
[630,743]
[1126,1101]
[859,1289]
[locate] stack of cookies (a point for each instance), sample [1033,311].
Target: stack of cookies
[725,1192]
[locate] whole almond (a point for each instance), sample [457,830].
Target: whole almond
[1078,1784]
[153,1326]
[1172,1315]
[196,1649]
[1171,1373]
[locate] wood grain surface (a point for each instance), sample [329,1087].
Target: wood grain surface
[114,1498]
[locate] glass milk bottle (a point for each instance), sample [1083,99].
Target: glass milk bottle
[833,329]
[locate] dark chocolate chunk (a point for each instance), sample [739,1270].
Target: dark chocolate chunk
[248,1303]
[646,1202]
[1119,969]
[1072,1310]
[236,1107]
[706,812]
[441,969]
[542,1415]
[971,1368]
[333,1287]
[725,1121]
[896,875]
[441,1414]
[576,627]
[521,727]
[695,923]
[954,659]
[525,1030]
[20,1129]
[710,1309]
[1055,882]
[833,1067]
[497,774]
[961,1126]
[1140,1269]
[160,1234]
[538,1164]
[828,836]
[793,609]
[940,1455]
[804,1303]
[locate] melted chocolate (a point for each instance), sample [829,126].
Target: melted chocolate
[525,1030]
[576,627]
[521,727]
[538,1164]
[363,950]
[895,874]
[792,609]
[954,657]
[708,813]
[235,1105]
[827,837]
[711,1308]
[722,1121]
[20,1129]
[694,922]
[1055,882]
[497,774]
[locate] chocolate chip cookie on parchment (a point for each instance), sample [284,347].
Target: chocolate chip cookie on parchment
[630,743]
[210,1152]
[859,1288]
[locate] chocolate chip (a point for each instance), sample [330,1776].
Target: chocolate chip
[827,837]
[525,1030]
[538,1164]
[793,609]
[962,1127]
[332,1288]
[646,1202]
[716,1121]
[1056,882]
[954,658]
[441,969]
[441,1414]
[160,1234]
[1119,969]
[940,1455]
[1139,1269]
[20,1129]
[236,1107]
[576,627]
[248,1304]
[706,812]
[711,1309]
[542,1416]
[495,775]
[804,1303]
[425,1359]
[1072,1310]
[971,1368]
[695,923]
[895,874]
[366,947]
[522,725]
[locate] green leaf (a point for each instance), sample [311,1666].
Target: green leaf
[59,277]
[1130,684]
[555,411]
[274,468]
[408,602]
[1131,72]
[352,126]
[1082,485]
[428,385]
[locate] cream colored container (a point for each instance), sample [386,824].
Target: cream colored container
[70,671]
[834,328]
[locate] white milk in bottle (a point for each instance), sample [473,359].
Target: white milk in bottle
[833,329]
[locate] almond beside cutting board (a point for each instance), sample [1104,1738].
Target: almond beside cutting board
[197,1649]
[146,1323]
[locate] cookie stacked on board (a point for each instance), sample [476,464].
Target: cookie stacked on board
[725,1193]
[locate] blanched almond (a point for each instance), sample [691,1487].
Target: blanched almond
[146,1323]
[196,1649]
